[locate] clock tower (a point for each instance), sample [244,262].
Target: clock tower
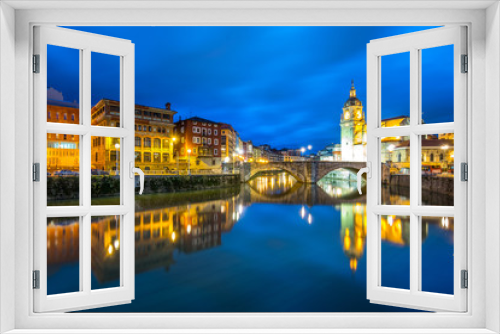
[353,129]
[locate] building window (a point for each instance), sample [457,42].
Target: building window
[57,116]
[209,141]
[213,162]
[194,151]
[209,132]
[441,157]
[156,157]
[138,112]
[165,157]
[137,156]
[73,117]
[157,143]
[150,129]
[182,140]
[114,156]
[182,129]
[216,141]
[432,157]
[65,116]
[48,115]
[204,140]
[147,156]
[147,142]
[204,131]
[137,141]
[215,132]
[140,127]
[166,116]
[182,151]
[215,152]
[165,144]
[195,140]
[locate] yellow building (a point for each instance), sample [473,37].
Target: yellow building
[228,143]
[154,129]
[353,129]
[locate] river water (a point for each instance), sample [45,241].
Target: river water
[271,245]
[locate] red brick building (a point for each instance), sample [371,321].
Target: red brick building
[198,144]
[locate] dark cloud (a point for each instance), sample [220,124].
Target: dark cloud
[279,85]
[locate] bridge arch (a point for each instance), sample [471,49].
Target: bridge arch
[303,171]
[321,174]
[266,168]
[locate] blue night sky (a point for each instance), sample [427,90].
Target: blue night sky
[284,86]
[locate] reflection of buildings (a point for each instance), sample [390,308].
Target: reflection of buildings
[63,240]
[158,232]
[353,232]
[105,248]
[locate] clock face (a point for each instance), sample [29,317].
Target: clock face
[347,115]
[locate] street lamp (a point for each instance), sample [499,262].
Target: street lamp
[309,147]
[117,147]
[189,161]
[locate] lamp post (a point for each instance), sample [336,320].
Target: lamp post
[117,147]
[176,155]
[444,148]
[189,161]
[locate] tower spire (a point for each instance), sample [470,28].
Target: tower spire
[352,93]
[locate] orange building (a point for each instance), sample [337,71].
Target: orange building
[63,150]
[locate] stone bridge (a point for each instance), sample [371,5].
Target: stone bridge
[303,171]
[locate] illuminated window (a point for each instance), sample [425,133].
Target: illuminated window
[137,141]
[147,142]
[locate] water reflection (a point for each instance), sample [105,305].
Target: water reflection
[171,228]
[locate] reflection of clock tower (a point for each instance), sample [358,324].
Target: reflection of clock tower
[353,129]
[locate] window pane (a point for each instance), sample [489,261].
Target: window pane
[105,253]
[437,254]
[395,251]
[63,169]
[395,94]
[395,170]
[63,85]
[437,84]
[105,91]
[105,159]
[63,255]
[438,169]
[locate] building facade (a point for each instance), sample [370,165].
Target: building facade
[153,137]
[199,144]
[63,150]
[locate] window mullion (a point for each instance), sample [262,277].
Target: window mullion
[414,168]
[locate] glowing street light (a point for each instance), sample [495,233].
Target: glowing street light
[117,147]
[309,147]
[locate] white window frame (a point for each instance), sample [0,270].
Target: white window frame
[85,43]
[483,102]
[413,43]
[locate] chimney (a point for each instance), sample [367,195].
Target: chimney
[167,105]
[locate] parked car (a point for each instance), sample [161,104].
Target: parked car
[66,172]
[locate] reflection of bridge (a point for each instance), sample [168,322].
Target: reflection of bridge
[300,193]
[303,171]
